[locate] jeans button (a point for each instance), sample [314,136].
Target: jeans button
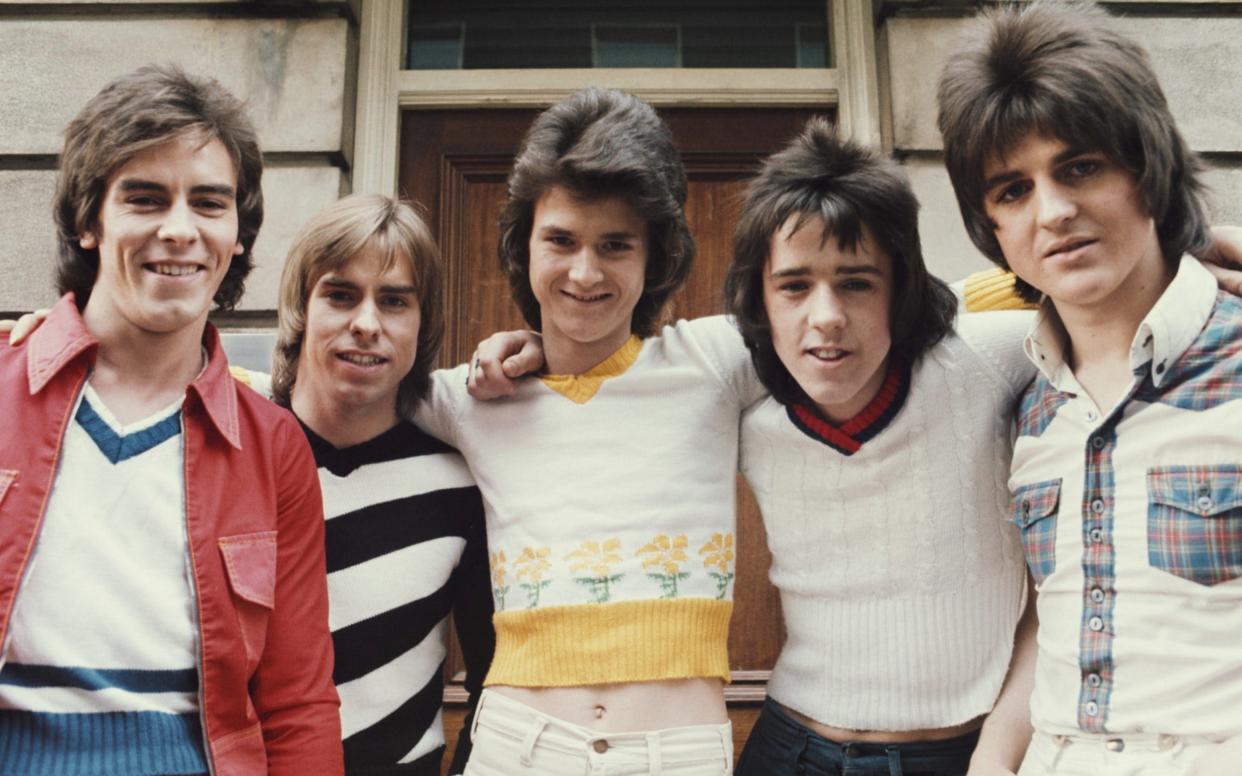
[600,746]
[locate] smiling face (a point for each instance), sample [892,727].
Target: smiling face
[362,324]
[1072,224]
[588,262]
[829,313]
[166,233]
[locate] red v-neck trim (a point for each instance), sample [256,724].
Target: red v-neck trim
[849,437]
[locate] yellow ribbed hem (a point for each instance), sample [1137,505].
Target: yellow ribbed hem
[993,289]
[580,388]
[240,374]
[623,641]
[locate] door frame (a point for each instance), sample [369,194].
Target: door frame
[384,88]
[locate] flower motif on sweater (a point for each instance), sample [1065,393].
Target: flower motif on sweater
[718,560]
[597,559]
[499,572]
[665,555]
[531,566]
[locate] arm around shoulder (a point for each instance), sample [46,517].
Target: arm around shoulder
[292,689]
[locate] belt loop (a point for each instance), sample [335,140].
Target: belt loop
[528,742]
[1061,742]
[894,761]
[655,758]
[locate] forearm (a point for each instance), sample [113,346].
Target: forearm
[1007,730]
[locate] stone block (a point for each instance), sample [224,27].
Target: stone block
[1196,60]
[291,72]
[27,259]
[947,249]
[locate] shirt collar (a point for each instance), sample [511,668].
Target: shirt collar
[62,339]
[1164,334]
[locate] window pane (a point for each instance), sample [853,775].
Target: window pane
[450,34]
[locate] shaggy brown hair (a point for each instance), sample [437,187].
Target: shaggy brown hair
[136,112]
[847,187]
[600,143]
[1059,70]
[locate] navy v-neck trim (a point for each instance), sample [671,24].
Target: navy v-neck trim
[117,448]
[849,437]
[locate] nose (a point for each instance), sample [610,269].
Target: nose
[585,270]
[178,224]
[365,322]
[824,310]
[1056,205]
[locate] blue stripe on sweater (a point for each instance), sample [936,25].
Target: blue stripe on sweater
[117,448]
[119,743]
[129,679]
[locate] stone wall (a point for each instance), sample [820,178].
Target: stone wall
[290,61]
[1196,49]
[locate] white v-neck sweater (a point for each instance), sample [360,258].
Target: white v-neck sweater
[610,522]
[901,580]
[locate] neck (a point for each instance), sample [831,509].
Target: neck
[564,356]
[1103,333]
[340,423]
[137,372]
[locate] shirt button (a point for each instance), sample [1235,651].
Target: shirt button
[1097,595]
[1097,506]
[1160,368]
[1097,535]
[1091,416]
[1098,442]
[1114,744]
[1092,708]
[1205,503]
[1096,624]
[600,746]
[1094,680]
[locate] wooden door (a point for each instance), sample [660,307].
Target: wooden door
[455,163]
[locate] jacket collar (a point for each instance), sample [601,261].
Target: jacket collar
[63,339]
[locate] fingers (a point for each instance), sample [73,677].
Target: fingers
[487,379]
[1226,246]
[1228,279]
[526,361]
[24,326]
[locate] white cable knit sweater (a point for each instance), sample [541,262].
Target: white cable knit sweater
[900,578]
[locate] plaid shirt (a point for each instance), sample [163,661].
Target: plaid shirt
[1132,524]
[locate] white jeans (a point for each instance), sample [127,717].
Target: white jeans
[512,738]
[1106,755]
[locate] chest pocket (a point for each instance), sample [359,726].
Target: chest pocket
[1034,511]
[250,562]
[1194,522]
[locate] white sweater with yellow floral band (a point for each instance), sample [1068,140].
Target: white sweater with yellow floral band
[610,509]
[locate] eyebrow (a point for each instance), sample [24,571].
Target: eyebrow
[1013,175]
[848,269]
[554,229]
[349,285]
[138,184]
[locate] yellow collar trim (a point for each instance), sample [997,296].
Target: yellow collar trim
[580,388]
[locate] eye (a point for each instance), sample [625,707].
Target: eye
[1082,168]
[143,201]
[1012,192]
[211,204]
[792,287]
[857,284]
[560,240]
[617,246]
[338,296]
[395,301]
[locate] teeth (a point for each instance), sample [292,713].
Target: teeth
[827,352]
[361,360]
[595,298]
[175,270]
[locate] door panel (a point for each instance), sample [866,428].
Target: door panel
[455,163]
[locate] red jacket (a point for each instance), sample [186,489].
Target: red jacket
[255,523]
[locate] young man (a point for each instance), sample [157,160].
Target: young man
[1070,171]
[161,580]
[879,463]
[609,483]
[360,326]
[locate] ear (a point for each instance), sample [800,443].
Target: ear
[239,249]
[88,241]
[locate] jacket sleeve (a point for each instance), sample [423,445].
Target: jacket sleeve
[472,617]
[292,689]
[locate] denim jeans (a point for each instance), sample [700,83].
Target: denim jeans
[780,746]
